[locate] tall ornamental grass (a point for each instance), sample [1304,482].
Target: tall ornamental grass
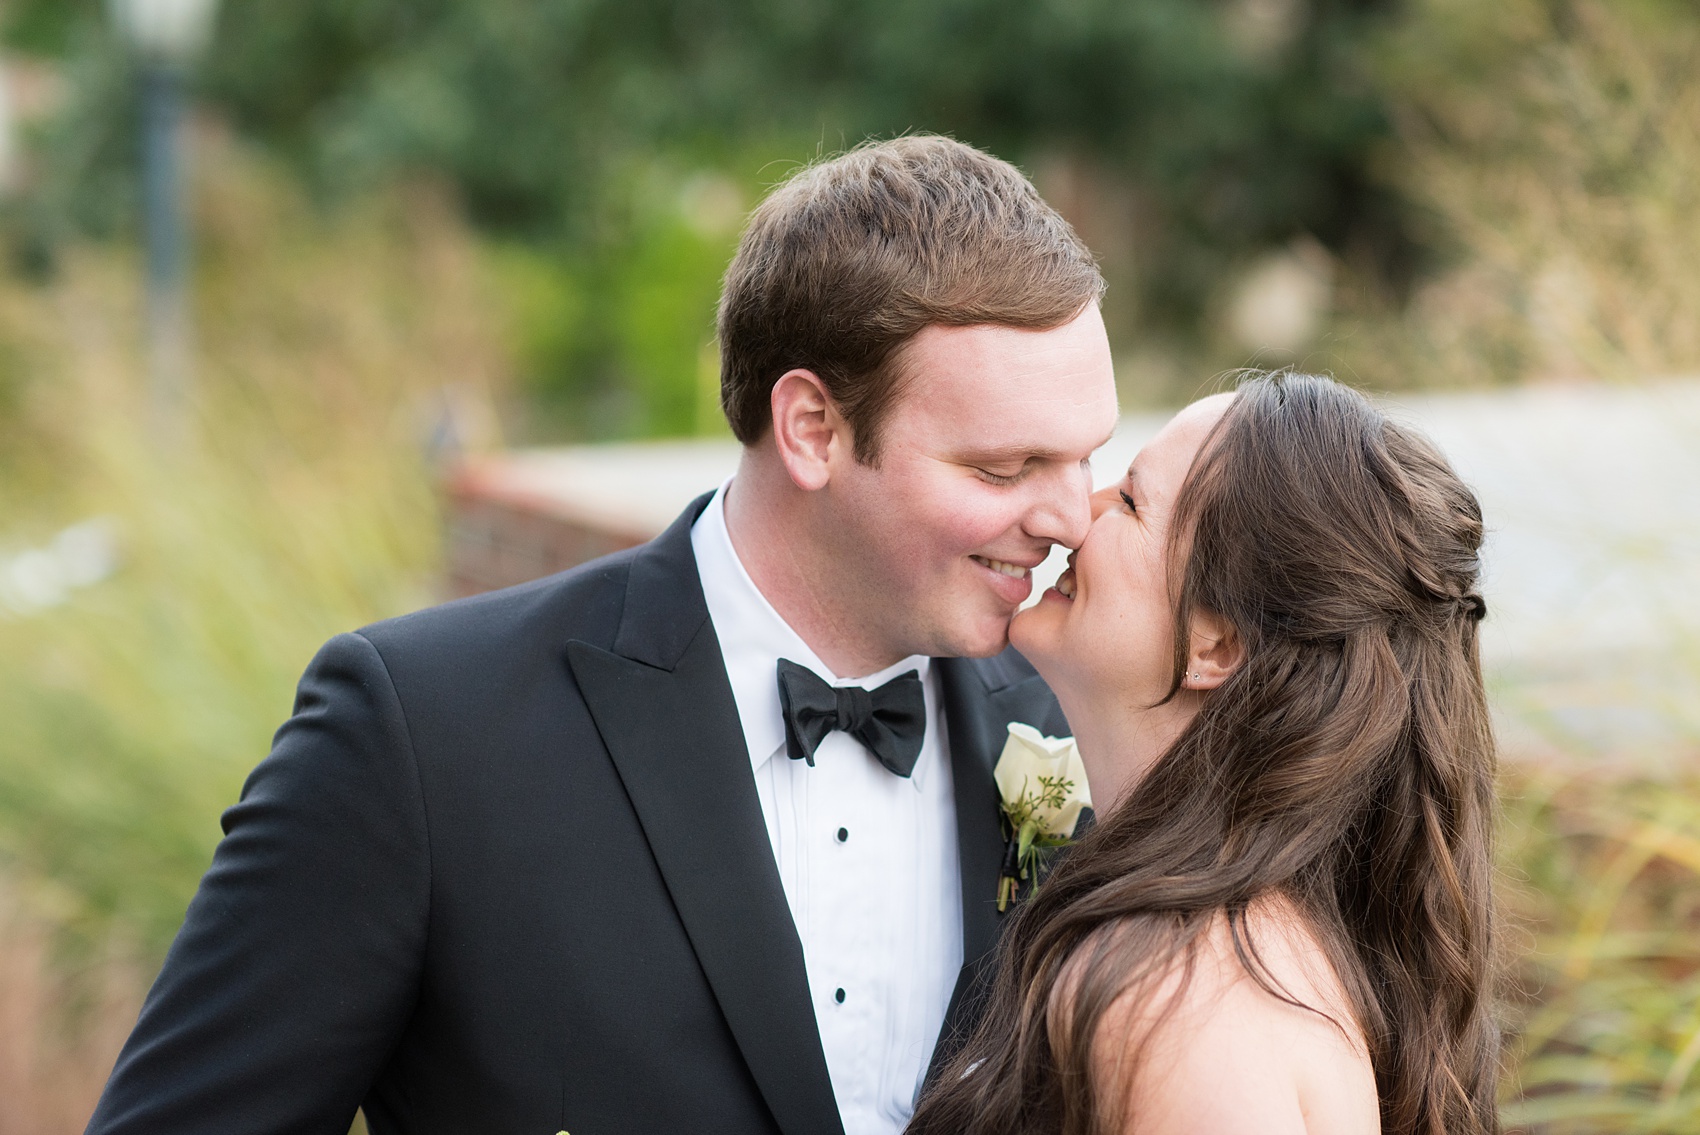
[1603,897]
[340,356]
[295,502]
[1550,150]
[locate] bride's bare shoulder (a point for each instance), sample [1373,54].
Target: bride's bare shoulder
[1209,1050]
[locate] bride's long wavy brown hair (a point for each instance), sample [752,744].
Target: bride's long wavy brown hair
[1347,768]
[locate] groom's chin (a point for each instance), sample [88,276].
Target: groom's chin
[987,638]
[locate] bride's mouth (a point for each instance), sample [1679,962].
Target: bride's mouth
[1065,586]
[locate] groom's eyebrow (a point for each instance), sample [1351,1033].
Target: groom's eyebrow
[1016,452]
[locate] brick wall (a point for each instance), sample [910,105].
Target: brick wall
[520,516]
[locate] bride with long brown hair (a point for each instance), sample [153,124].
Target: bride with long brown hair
[1282,920]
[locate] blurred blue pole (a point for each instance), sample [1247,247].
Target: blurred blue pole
[166,236]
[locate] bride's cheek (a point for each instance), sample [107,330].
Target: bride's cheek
[1037,629]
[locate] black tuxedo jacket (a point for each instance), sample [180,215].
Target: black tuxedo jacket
[505,870]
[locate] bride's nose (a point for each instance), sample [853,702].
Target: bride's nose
[1103,500]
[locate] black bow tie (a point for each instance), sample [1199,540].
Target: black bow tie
[890,721]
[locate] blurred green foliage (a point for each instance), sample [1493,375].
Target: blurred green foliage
[1204,132]
[1235,125]
[47,27]
[1246,120]
[620,344]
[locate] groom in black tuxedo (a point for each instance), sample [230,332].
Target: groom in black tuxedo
[700,837]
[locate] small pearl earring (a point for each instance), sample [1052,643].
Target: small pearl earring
[1195,676]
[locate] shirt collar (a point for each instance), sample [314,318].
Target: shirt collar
[754,637]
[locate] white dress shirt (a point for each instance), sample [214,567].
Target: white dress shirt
[868,859]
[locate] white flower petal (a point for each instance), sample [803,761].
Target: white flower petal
[1027,756]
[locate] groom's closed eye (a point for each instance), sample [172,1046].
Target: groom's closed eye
[1011,464]
[1004,467]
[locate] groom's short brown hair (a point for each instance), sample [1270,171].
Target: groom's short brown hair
[850,257]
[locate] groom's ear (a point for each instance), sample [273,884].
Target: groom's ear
[1215,653]
[808,430]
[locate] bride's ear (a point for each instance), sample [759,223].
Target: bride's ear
[1215,653]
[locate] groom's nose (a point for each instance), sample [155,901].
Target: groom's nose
[1064,509]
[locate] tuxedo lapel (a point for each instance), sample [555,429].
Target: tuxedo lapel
[981,697]
[664,708]
[975,742]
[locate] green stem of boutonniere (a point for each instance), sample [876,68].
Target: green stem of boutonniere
[1024,854]
[1008,876]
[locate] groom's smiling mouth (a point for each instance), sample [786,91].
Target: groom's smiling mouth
[1012,583]
[1015,571]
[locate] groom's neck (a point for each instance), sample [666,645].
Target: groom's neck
[786,545]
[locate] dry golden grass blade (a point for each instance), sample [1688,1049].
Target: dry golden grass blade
[1642,846]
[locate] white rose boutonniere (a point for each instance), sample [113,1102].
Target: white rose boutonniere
[1043,785]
